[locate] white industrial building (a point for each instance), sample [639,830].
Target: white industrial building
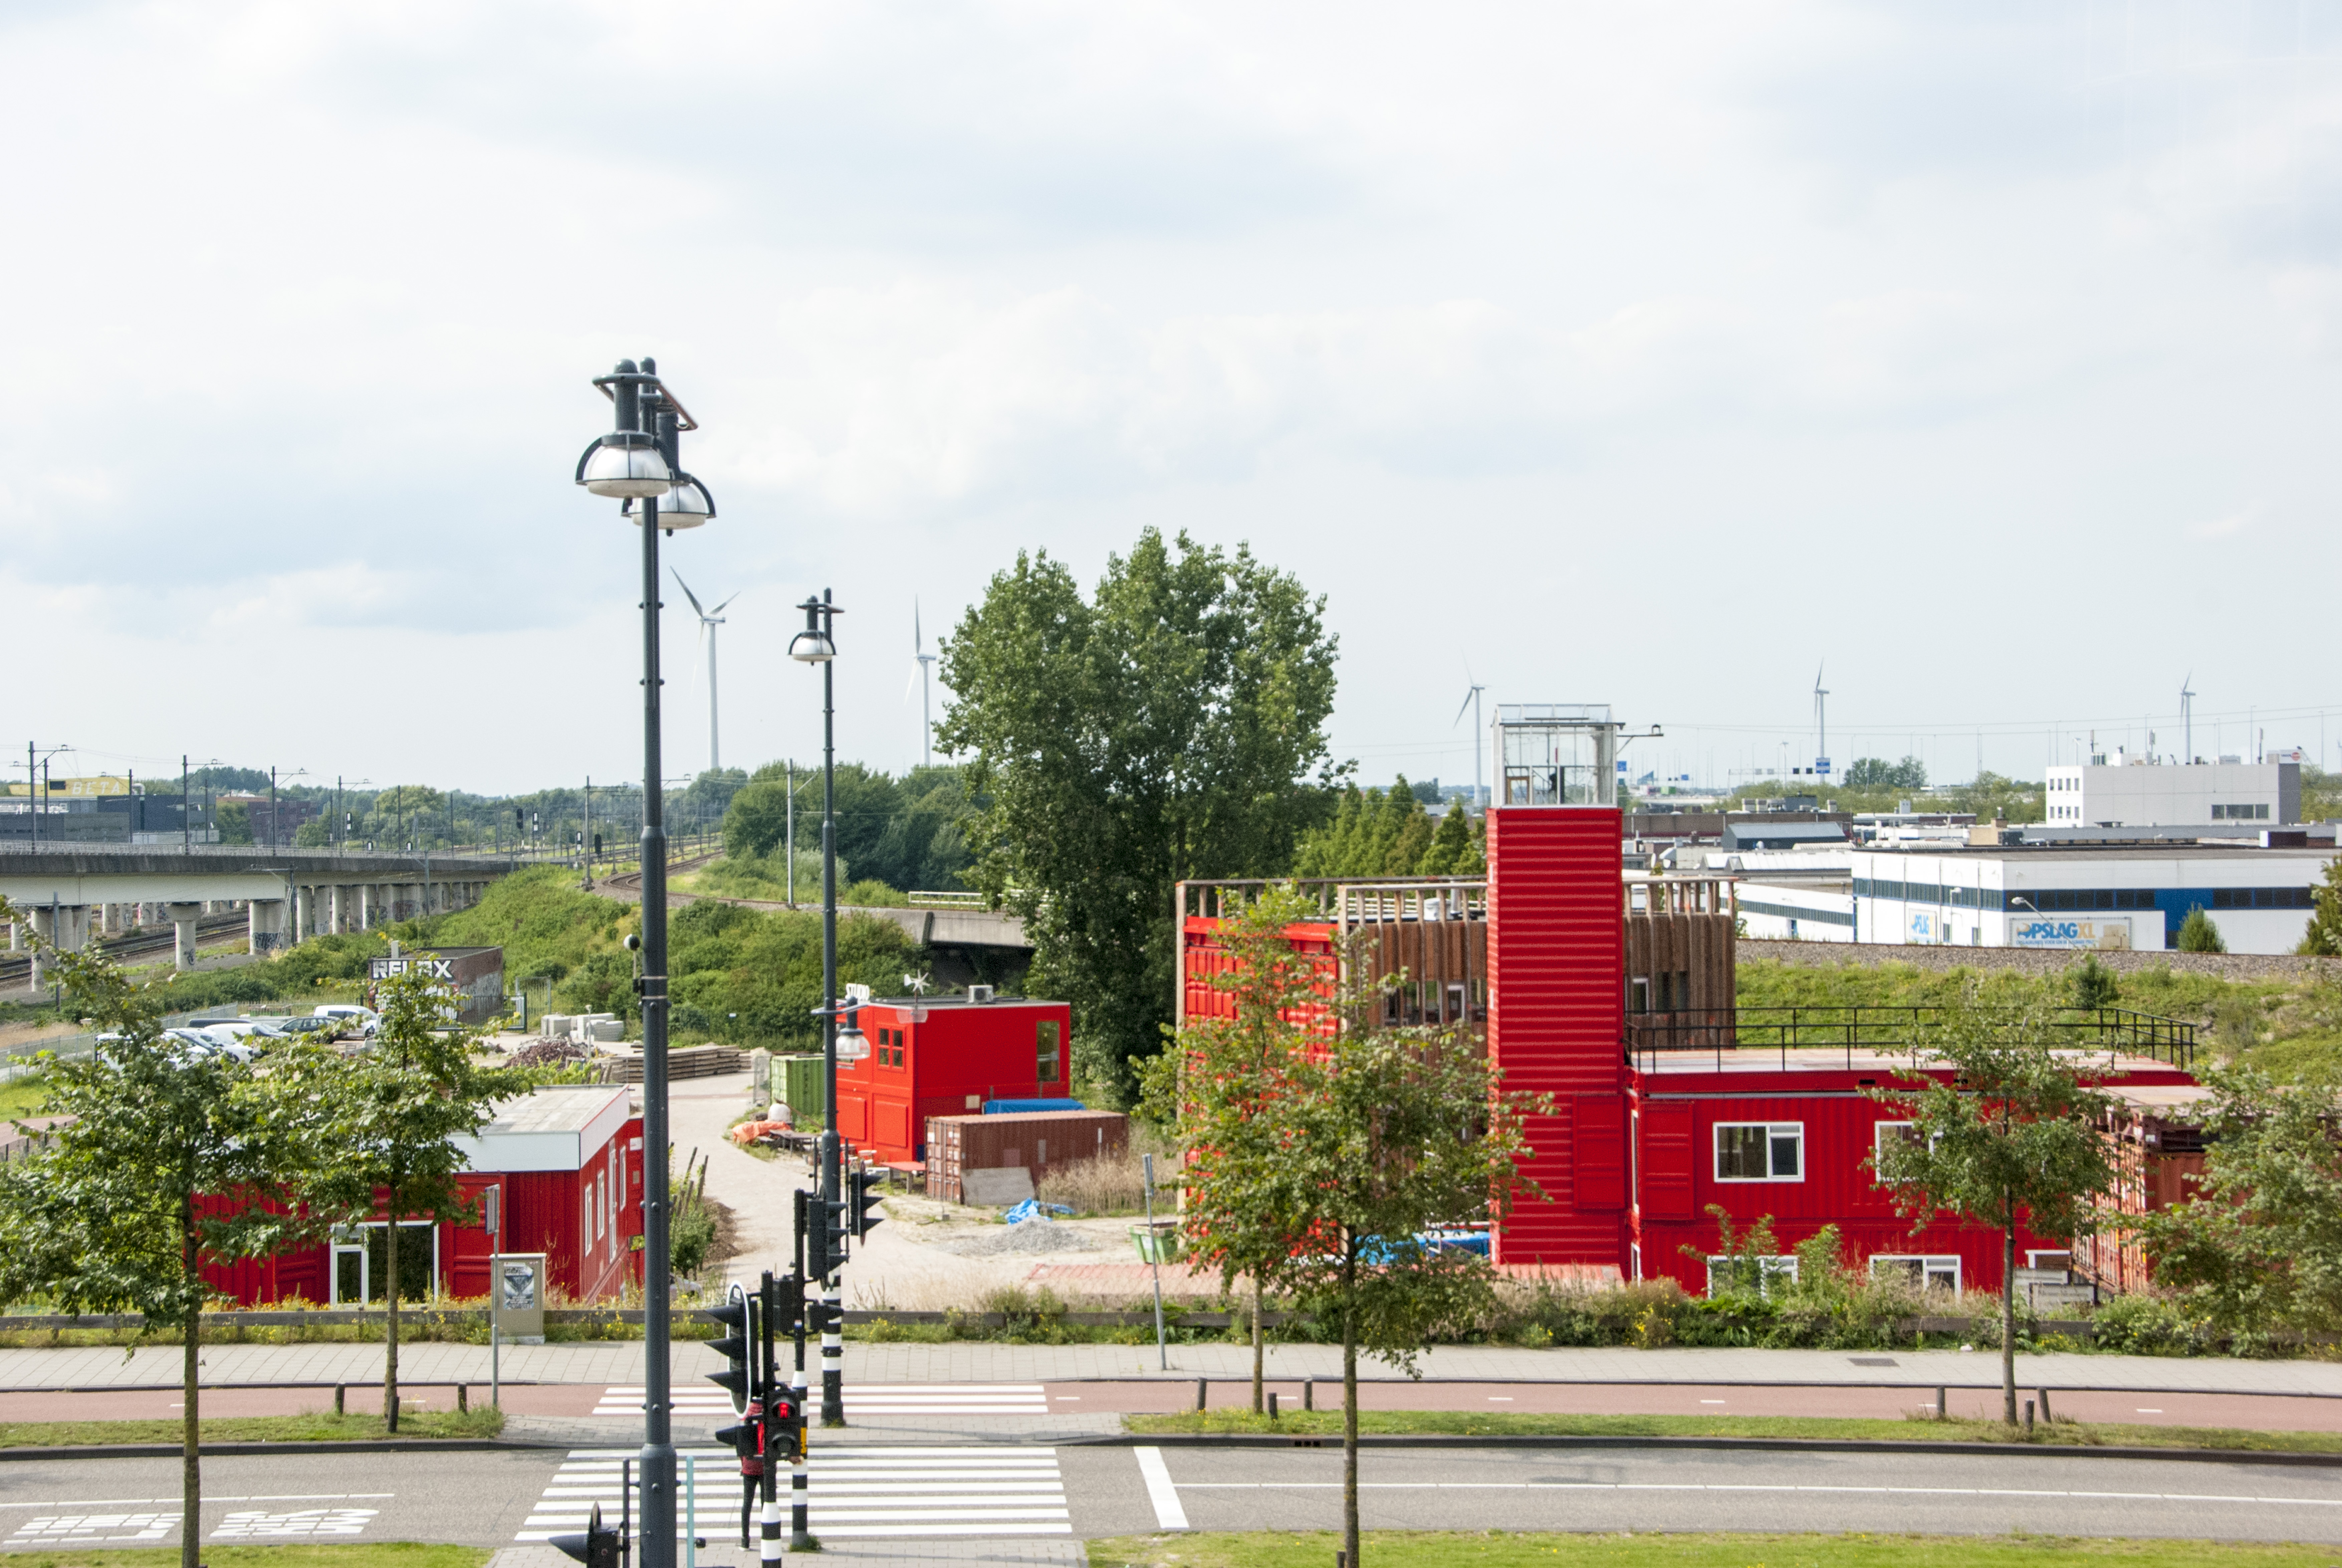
[2127,791]
[2050,896]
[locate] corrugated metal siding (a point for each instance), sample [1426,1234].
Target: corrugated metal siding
[1557,966]
[1033,1139]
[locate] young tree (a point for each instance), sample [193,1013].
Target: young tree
[1322,1151]
[170,1162]
[396,1114]
[2013,1138]
[2324,937]
[2259,1242]
[2199,934]
[1166,728]
[2092,984]
[1451,844]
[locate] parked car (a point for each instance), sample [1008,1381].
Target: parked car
[351,1018]
[323,1028]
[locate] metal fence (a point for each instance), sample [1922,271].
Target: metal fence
[1743,1036]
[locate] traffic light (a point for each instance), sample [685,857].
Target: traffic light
[738,1313]
[862,1200]
[597,1548]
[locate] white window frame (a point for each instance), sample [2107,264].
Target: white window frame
[1878,1138]
[2033,1257]
[1773,1132]
[1929,1263]
[1770,1271]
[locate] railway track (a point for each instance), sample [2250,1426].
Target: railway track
[15,968]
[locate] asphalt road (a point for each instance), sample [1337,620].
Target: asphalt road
[493,1499]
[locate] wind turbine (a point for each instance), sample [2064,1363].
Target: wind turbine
[1821,720]
[1472,701]
[2187,716]
[708,620]
[922,658]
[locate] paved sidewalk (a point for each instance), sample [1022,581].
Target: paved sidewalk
[621,1362]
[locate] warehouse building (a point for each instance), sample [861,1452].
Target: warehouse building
[2132,791]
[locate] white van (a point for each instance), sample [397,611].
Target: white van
[355,1020]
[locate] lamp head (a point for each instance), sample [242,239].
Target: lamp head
[625,465]
[687,505]
[812,645]
[852,1046]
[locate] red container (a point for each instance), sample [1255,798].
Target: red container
[1033,1139]
[948,1057]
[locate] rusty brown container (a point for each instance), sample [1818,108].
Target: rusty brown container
[1033,1139]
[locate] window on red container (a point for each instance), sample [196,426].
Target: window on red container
[1045,1052]
[1760,1152]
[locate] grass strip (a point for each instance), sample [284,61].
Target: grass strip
[1530,1423]
[1503,1549]
[372,1555]
[312,1427]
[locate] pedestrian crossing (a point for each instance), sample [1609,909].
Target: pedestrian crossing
[866,1399]
[905,1490]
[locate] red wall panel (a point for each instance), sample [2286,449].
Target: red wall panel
[1557,1009]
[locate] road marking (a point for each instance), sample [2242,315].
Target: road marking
[2142,1409]
[91,1528]
[923,1490]
[1500,1399]
[260,1524]
[1169,1513]
[1711,1401]
[276,1497]
[1720,1486]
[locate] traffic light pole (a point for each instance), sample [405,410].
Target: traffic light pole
[776,1427]
[833,1346]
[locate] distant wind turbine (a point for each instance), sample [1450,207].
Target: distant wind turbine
[1821,719]
[922,659]
[2187,717]
[708,620]
[1472,701]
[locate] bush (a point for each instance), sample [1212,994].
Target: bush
[2093,985]
[2148,1325]
[2199,934]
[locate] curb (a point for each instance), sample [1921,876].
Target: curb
[230,1450]
[1744,1444]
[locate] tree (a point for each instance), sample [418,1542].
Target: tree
[395,1113]
[2199,934]
[2324,937]
[2010,1137]
[312,834]
[757,820]
[2258,1242]
[1451,844]
[2093,985]
[170,1163]
[234,820]
[1164,729]
[1321,1151]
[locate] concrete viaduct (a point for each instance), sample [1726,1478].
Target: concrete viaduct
[74,893]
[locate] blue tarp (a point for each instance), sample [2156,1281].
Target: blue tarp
[1014,1107]
[1033,1209]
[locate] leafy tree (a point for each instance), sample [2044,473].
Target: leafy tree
[757,820]
[2093,985]
[2010,1139]
[1878,773]
[170,1163]
[1451,845]
[2199,934]
[1164,729]
[2324,937]
[312,834]
[396,1114]
[409,801]
[1318,1156]
[2259,1242]
[234,820]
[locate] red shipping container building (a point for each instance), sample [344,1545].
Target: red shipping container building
[946,1056]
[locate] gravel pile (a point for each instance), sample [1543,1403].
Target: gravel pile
[1033,1236]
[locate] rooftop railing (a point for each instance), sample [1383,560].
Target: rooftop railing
[1744,1037]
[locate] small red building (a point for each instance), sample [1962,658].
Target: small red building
[946,1056]
[559,1169]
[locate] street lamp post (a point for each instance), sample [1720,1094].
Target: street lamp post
[643,469]
[817,645]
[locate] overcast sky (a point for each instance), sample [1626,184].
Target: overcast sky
[1652,355]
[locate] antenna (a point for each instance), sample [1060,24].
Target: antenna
[922,659]
[1472,701]
[2187,717]
[708,620]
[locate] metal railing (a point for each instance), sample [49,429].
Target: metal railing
[1403,898]
[1741,1037]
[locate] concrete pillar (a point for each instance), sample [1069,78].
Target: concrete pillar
[266,926]
[305,913]
[334,893]
[108,919]
[15,937]
[183,924]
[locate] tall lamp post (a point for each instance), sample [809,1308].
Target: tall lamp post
[643,469]
[817,645]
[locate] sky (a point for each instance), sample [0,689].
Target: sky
[1982,358]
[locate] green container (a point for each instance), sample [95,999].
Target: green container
[800,1084]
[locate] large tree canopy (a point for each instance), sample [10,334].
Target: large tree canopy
[1170,728]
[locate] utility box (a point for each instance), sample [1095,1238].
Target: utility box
[1031,1141]
[798,1080]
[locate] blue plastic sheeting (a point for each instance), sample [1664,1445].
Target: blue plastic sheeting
[1034,1208]
[1376,1250]
[1013,1107]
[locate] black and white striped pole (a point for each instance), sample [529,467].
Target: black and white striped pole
[800,1532]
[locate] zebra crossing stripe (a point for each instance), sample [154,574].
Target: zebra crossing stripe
[926,1490]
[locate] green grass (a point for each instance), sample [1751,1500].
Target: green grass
[21,1097]
[1503,1549]
[315,1426]
[372,1555]
[1479,1423]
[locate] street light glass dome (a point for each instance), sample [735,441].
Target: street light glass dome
[626,464]
[853,1044]
[811,648]
[687,505]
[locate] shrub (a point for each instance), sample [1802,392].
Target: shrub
[2148,1325]
[2093,985]
[2199,934]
